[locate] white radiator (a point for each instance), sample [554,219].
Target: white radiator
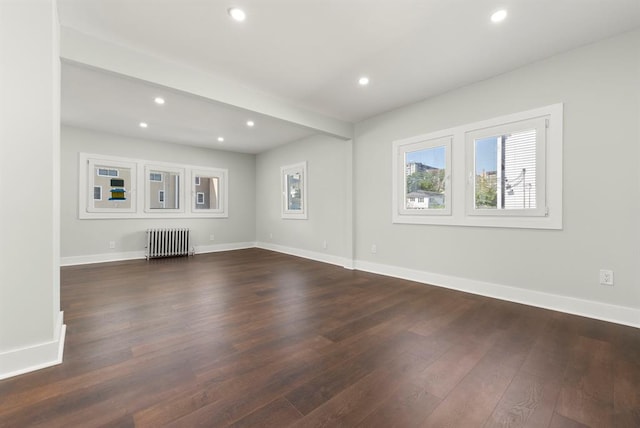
[168,242]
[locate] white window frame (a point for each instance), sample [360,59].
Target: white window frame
[400,150]
[155,181]
[539,124]
[163,167]
[87,174]
[94,193]
[223,193]
[198,200]
[108,170]
[548,211]
[140,180]
[298,214]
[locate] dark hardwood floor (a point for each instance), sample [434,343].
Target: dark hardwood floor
[256,338]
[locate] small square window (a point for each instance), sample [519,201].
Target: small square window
[109,187]
[422,184]
[166,182]
[209,192]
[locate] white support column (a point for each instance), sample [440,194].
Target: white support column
[31,325]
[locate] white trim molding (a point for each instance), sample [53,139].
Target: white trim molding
[137,255]
[307,254]
[571,305]
[101,258]
[216,248]
[35,357]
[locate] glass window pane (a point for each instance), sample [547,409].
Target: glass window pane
[207,193]
[294,191]
[505,171]
[116,190]
[425,173]
[166,185]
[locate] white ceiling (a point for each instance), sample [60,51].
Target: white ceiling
[112,103]
[310,53]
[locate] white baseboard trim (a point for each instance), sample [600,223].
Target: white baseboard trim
[34,357]
[137,255]
[202,249]
[312,255]
[101,258]
[587,308]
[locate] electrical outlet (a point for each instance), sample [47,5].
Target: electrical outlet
[324,244]
[112,244]
[374,249]
[606,277]
[212,237]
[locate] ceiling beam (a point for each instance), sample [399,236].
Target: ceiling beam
[80,48]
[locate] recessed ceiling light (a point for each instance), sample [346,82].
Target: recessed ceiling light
[250,123]
[363,81]
[220,139]
[499,16]
[237,14]
[143,124]
[159,100]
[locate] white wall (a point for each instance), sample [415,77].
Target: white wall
[30,321]
[328,185]
[88,240]
[598,86]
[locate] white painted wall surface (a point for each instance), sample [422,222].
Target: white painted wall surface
[328,185]
[88,240]
[598,86]
[30,322]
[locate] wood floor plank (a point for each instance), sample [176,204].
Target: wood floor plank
[256,338]
[447,371]
[587,389]
[408,406]
[626,392]
[278,413]
[474,398]
[529,401]
[355,403]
